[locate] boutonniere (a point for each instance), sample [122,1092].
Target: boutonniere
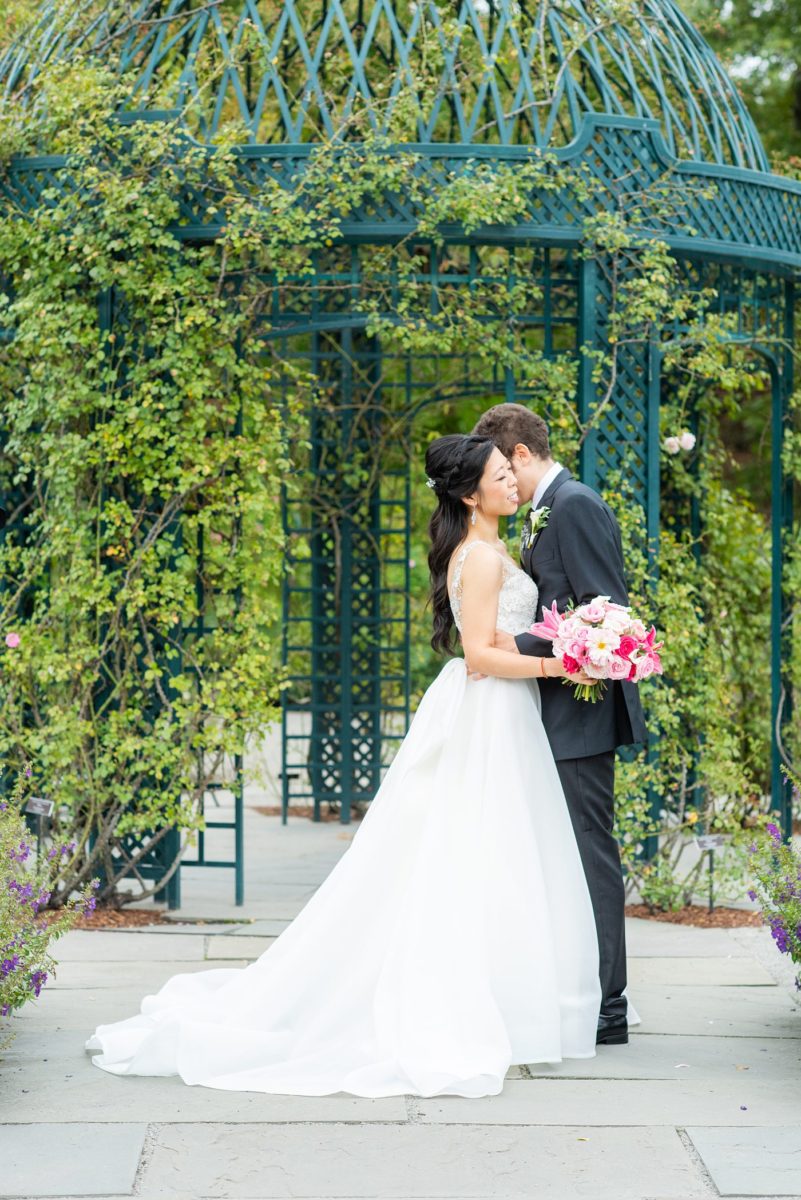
[537,520]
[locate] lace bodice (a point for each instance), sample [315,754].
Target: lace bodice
[517,602]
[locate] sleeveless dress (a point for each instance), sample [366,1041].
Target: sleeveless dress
[453,938]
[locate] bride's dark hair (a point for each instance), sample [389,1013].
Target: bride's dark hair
[454,465]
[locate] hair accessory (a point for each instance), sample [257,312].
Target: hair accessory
[431,483]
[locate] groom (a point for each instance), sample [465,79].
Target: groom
[572,550]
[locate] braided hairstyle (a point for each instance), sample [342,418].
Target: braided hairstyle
[454,465]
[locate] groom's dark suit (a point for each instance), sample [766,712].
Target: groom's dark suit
[576,556]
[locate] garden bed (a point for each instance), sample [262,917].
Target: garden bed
[699,915]
[118,918]
[691,914]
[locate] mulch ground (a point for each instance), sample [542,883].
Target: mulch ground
[119,918]
[696,914]
[692,914]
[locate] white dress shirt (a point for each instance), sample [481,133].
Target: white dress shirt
[545,483]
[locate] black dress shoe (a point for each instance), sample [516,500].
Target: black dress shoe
[612,1031]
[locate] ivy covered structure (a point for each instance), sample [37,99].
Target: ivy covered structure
[539,172]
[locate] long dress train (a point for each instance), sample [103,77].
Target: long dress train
[453,938]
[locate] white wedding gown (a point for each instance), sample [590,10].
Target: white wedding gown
[453,938]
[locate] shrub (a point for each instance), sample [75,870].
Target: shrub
[776,869]
[27,878]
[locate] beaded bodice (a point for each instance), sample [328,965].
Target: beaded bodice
[517,601]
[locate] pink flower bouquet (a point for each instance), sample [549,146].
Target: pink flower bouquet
[603,640]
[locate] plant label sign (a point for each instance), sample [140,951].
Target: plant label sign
[711,841]
[39,807]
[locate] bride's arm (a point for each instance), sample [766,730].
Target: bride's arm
[482,577]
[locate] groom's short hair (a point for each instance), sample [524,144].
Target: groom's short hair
[508,425]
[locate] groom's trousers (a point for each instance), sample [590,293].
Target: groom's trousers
[589,787]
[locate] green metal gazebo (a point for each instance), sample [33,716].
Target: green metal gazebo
[628,93]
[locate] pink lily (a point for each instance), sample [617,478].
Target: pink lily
[550,624]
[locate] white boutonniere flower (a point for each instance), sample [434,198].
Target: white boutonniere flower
[538,519]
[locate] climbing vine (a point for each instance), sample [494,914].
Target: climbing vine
[154,410]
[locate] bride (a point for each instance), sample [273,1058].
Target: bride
[455,936]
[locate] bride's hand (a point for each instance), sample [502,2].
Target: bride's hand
[557,670]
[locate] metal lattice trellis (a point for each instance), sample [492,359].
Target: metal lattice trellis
[627,97]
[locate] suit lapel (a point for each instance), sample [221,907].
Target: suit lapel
[545,502]
[525,551]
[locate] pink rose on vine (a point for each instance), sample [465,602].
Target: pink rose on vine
[684,441]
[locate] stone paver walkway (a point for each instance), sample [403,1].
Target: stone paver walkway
[705,1100]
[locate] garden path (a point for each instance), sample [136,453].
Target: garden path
[703,1102]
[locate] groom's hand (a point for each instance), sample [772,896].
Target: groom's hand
[505,641]
[474,675]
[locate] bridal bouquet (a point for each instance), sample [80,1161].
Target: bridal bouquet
[602,639]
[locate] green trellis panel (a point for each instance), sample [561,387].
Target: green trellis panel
[346,607]
[288,72]
[631,101]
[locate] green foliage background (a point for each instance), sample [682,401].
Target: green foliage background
[145,449]
[128,437]
[760,43]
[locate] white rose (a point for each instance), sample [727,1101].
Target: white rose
[687,440]
[617,621]
[672,445]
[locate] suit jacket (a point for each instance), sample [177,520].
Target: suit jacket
[576,556]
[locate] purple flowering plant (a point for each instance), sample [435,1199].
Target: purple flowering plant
[776,873]
[26,886]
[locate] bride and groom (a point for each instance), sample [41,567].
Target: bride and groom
[476,919]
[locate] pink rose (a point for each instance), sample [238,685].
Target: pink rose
[571,639]
[578,649]
[570,664]
[644,667]
[638,630]
[618,668]
[627,646]
[593,611]
[12,640]
[572,649]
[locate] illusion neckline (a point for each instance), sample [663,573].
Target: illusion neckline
[459,556]
[469,543]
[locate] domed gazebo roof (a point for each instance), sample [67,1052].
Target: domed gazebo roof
[628,96]
[509,72]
